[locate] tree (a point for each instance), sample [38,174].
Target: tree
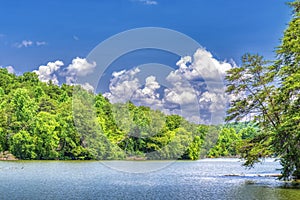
[194,148]
[287,140]
[177,146]
[24,107]
[3,122]
[227,143]
[45,132]
[93,138]
[269,92]
[210,138]
[23,145]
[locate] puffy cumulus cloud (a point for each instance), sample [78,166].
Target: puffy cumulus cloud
[78,67]
[203,66]
[182,63]
[181,91]
[195,90]
[181,98]
[150,87]
[214,101]
[81,67]
[123,85]
[48,72]
[147,94]
[199,78]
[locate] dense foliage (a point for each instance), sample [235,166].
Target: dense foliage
[44,121]
[269,91]
[37,122]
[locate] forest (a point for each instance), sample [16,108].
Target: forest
[37,122]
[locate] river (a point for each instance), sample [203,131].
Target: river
[204,179]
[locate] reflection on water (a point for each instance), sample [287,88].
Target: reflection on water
[204,179]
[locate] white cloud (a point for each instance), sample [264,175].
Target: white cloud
[150,87]
[202,66]
[214,100]
[81,67]
[147,94]
[202,76]
[182,96]
[78,67]
[87,87]
[25,43]
[10,69]
[40,43]
[47,72]
[195,91]
[29,43]
[182,63]
[147,2]
[123,85]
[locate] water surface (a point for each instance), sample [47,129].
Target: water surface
[204,179]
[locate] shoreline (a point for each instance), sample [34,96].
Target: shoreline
[7,156]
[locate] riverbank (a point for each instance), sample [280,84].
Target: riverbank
[7,156]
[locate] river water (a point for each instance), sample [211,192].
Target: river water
[204,179]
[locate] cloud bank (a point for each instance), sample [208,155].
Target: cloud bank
[195,89]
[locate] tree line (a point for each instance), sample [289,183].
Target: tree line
[44,121]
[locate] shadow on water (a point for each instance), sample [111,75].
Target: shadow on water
[252,190]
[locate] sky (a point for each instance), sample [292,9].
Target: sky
[54,38]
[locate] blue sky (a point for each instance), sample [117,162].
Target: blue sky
[66,29]
[54,38]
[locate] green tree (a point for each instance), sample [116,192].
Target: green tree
[227,143]
[194,148]
[46,135]
[23,145]
[270,92]
[287,139]
[93,138]
[210,139]
[24,107]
